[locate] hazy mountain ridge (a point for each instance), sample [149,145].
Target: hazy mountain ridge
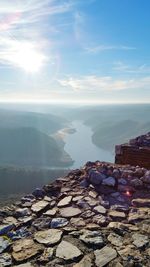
[47,123]
[28,146]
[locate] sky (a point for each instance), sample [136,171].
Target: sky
[82,51]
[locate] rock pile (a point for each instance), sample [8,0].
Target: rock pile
[96,216]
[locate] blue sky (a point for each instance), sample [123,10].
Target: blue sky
[93,51]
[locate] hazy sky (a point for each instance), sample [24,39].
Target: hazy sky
[75,50]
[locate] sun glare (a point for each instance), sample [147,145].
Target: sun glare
[27,57]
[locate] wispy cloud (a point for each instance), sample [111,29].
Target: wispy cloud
[126,68]
[106,83]
[101,48]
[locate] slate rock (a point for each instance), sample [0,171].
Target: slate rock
[59,222]
[110,181]
[117,214]
[104,256]
[100,209]
[141,202]
[48,237]
[93,238]
[129,252]
[47,255]
[70,212]
[25,248]
[115,239]
[139,240]
[64,202]
[38,193]
[39,206]
[4,243]
[27,264]
[99,219]
[22,212]
[5,260]
[51,212]
[67,251]
[77,222]
[5,228]
[85,262]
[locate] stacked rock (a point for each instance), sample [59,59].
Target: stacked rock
[96,216]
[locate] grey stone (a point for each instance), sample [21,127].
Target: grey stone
[140,240]
[48,237]
[22,212]
[59,222]
[5,228]
[47,255]
[65,201]
[77,222]
[5,259]
[141,202]
[115,239]
[100,209]
[4,243]
[51,212]
[110,181]
[85,262]
[39,206]
[117,214]
[104,256]
[70,212]
[100,219]
[67,251]
[25,248]
[92,238]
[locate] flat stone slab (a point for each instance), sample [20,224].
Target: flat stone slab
[117,214]
[51,212]
[48,237]
[39,206]
[141,202]
[67,251]
[92,238]
[25,249]
[115,239]
[100,209]
[27,264]
[70,212]
[139,240]
[85,262]
[59,222]
[104,256]
[4,243]
[5,260]
[64,202]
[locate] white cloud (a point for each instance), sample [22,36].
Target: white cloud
[106,83]
[126,68]
[100,48]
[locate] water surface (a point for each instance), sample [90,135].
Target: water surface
[80,147]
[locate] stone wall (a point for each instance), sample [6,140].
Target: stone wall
[133,155]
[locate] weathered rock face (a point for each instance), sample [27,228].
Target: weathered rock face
[103,221]
[136,152]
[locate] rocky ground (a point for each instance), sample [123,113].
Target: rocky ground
[96,216]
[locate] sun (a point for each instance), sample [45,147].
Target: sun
[27,57]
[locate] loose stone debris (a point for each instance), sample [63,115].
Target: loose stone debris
[96,216]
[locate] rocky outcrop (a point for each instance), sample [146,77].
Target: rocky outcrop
[96,216]
[136,152]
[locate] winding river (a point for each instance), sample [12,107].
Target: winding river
[80,147]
